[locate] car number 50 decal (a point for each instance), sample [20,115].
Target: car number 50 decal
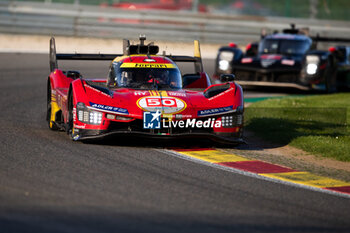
[164,104]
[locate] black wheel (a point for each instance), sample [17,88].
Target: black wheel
[70,129]
[50,118]
[331,77]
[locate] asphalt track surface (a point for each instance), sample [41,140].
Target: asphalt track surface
[49,183]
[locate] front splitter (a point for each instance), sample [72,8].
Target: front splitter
[213,137]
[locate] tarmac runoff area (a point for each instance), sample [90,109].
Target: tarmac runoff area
[12,43]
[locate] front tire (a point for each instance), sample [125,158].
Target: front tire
[70,130]
[331,77]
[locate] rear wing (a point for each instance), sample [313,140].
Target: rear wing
[197,59]
[318,38]
[128,49]
[305,31]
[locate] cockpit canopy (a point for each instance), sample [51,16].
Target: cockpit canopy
[285,44]
[144,76]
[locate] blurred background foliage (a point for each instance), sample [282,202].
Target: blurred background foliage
[314,9]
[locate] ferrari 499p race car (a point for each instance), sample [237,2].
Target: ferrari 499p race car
[143,95]
[288,59]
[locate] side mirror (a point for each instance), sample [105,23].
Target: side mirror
[340,54]
[73,74]
[227,77]
[200,81]
[252,49]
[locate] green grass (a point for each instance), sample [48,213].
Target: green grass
[317,124]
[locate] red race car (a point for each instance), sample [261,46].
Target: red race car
[144,95]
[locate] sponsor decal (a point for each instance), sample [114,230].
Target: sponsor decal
[176,116]
[227,56]
[284,36]
[164,104]
[74,114]
[271,57]
[59,101]
[247,60]
[141,92]
[109,108]
[288,62]
[221,94]
[151,120]
[149,60]
[80,126]
[192,123]
[268,60]
[147,65]
[173,93]
[214,111]
[98,91]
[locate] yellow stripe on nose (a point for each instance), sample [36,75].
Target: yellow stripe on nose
[163,93]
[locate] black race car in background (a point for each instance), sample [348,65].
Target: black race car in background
[287,59]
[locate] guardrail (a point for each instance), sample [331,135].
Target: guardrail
[94,21]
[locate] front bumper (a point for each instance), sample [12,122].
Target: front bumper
[274,84]
[225,138]
[279,77]
[274,77]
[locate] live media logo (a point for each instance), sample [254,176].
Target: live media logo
[152,120]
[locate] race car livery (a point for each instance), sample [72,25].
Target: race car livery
[144,95]
[287,59]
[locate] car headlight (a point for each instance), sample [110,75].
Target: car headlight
[230,121]
[118,118]
[95,117]
[88,116]
[225,58]
[311,69]
[312,59]
[225,55]
[223,65]
[227,121]
[312,63]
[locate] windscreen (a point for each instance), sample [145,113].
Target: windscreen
[164,77]
[283,46]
